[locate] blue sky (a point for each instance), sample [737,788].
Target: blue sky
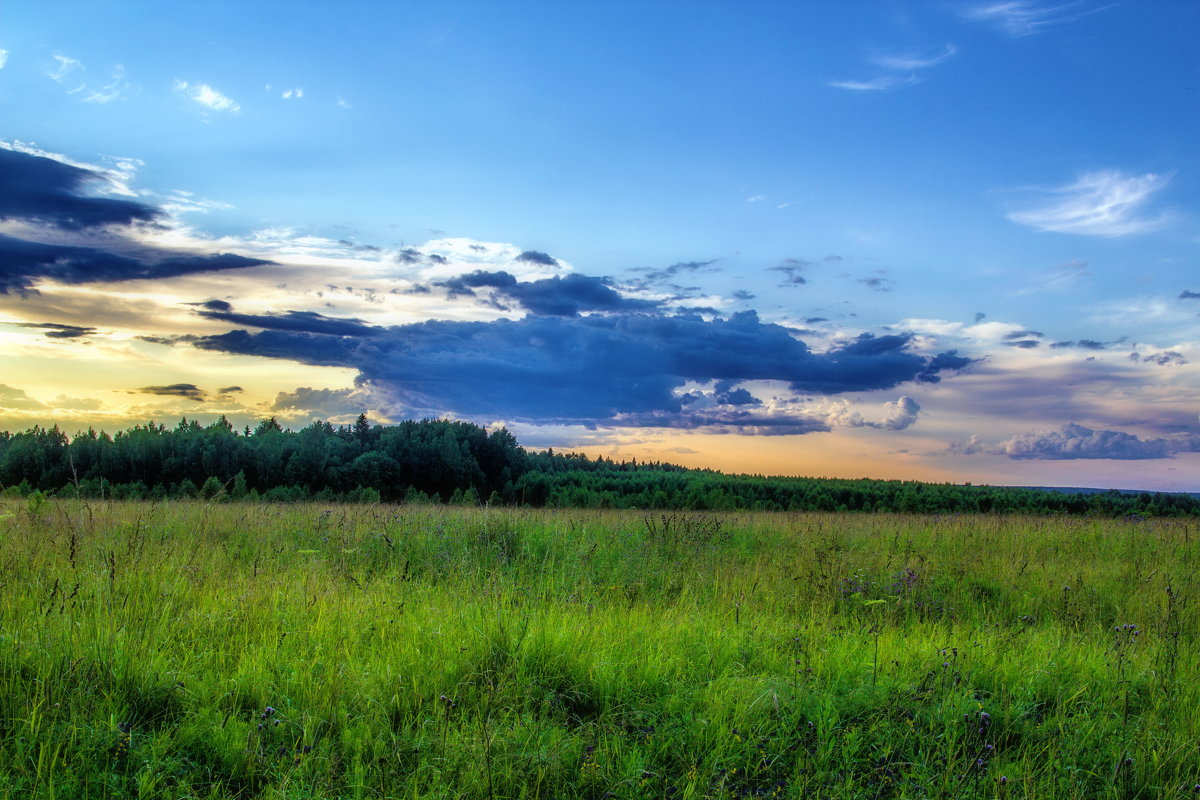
[947,241]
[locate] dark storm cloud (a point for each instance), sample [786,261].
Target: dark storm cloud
[56,330]
[538,257]
[1077,442]
[949,361]
[188,391]
[50,194]
[42,190]
[466,284]
[568,295]
[173,266]
[23,262]
[727,395]
[560,296]
[589,369]
[298,321]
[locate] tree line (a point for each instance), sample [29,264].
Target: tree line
[441,461]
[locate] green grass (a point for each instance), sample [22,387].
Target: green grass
[431,652]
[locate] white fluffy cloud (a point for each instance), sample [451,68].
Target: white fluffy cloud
[207,96]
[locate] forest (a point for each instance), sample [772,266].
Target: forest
[460,463]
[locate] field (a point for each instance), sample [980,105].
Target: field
[192,650]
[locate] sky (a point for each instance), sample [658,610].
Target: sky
[945,241]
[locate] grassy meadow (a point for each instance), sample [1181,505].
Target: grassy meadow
[192,650]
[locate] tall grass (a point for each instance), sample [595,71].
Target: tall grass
[185,650]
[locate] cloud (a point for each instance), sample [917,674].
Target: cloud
[39,189]
[76,403]
[896,65]
[910,61]
[207,96]
[559,296]
[1077,442]
[568,295]
[620,368]
[56,330]
[537,257]
[300,321]
[53,199]
[1167,358]
[897,415]
[331,404]
[187,391]
[1103,203]
[884,83]
[22,263]
[878,284]
[296,93]
[1187,294]
[230,390]
[65,66]
[305,398]
[468,283]
[11,397]
[900,414]
[3,57]
[116,89]
[1020,18]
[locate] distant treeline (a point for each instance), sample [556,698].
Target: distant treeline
[439,461]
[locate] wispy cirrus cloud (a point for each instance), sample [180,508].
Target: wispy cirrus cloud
[65,71]
[901,70]
[911,60]
[883,83]
[69,72]
[207,96]
[1101,203]
[117,88]
[1020,18]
